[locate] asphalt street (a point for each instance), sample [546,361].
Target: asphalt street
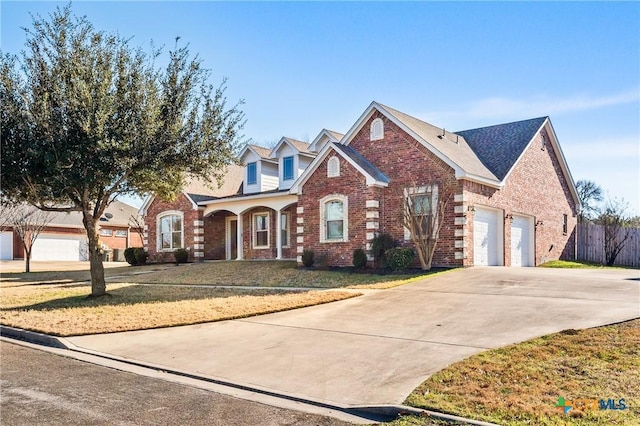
[42,388]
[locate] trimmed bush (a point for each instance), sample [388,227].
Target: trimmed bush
[359,258]
[181,255]
[141,255]
[379,245]
[130,256]
[307,258]
[399,258]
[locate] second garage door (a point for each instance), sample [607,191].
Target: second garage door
[486,243]
[521,241]
[59,247]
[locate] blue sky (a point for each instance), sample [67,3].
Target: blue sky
[304,66]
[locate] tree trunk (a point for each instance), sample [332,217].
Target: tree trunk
[98,285]
[27,261]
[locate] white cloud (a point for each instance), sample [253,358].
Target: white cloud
[540,105]
[625,147]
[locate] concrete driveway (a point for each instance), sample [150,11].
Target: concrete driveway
[377,348]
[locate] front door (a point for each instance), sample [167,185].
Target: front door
[232,239]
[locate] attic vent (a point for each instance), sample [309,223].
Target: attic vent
[377,130]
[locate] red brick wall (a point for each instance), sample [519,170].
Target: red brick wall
[269,253]
[536,187]
[157,207]
[351,184]
[405,163]
[214,236]
[133,238]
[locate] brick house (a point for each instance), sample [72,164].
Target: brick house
[514,201]
[65,238]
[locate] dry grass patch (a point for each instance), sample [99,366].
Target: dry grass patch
[520,384]
[13,279]
[269,274]
[66,310]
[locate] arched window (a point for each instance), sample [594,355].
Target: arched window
[333,167]
[170,231]
[377,129]
[334,218]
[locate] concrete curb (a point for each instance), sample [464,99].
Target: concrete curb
[378,413]
[31,337]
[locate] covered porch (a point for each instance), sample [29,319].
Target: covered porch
[261,226]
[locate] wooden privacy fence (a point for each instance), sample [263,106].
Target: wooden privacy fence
[591,245]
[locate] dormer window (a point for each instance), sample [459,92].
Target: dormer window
[287,168]
[333,167]
[252,173]
[377,129]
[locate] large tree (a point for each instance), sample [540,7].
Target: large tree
[590,194]
[87,117]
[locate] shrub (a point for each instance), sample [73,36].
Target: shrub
[399,258]
[307,258]
[359,258]
[181,255]
[130,256]
[141,255]
[379,245]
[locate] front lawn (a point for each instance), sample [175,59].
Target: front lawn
[64,310]
[520,384]
[272,274]
[164,295]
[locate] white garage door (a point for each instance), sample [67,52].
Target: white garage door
[6,245]
[59,247]
[521,239]
[485,238]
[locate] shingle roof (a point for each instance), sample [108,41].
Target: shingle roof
[120,216]
[261,151]
[336,135]
[450,146]
[500,146]
[299,145]
[200,190]
[362,162]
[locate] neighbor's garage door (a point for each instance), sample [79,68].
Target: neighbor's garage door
[6,245]
[59,247]
[521,239]
[485,238]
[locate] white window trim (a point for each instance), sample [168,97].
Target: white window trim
[335,170]
[345,220]
[287,243]
[254,230]
[376,132]
[159,230]
[433,189]
[120,231]
[105,232]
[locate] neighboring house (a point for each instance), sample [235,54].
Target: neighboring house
[65,237]
[514,202]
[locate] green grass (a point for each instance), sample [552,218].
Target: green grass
[576,264]
[520,384]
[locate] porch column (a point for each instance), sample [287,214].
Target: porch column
[278,235]
[239,238]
